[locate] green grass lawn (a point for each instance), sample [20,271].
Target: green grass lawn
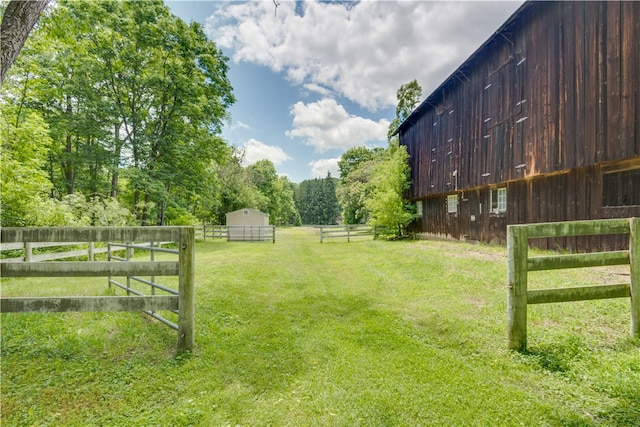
[298,333]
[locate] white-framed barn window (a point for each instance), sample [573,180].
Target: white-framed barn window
[499,200]
[452,203]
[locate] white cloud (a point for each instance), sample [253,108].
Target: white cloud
[363,51]
[326,125]
[320,167]
[323,91]
[240,125]
[255,150]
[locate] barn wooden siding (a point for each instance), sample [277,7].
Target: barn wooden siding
[544,107]
[569,196]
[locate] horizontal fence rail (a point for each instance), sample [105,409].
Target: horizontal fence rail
[211,231]
[519,264]
[347,231]
[251,233]
[181,301]
[29,256]
[237,233]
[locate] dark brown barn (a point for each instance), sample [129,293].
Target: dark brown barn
[540,124]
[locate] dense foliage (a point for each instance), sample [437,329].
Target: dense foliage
[119,106]
[112,115]
[373,182]
[317,202]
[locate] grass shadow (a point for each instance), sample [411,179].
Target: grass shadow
[557,355]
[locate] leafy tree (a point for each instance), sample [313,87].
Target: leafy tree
[408,97]
[287,214]
[276,190]
[386,203]
[25,186]
[353,157]
[355,189]
[263,176]
[133,96]
[291,215]
[236,189]
[373,183]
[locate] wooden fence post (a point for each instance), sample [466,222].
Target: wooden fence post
[634,261]
[517,249]
[28,251]
[186,290]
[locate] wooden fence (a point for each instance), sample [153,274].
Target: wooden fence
[211,231]
[251,233]
[183,301]
[348,230]
[152,248]
[29,256]
[237,233]
[520,264]
[89,250]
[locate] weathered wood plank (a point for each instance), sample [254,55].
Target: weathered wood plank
[90,234]
[108,303]
[582,293]
[11,246]
[578,228]
[517,249]
[186,289]
[68,254]
[594,259]
[88,269]
[634,250]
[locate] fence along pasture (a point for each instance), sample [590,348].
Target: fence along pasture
[212,231]
[237,233]
[29,256]
[348,230]
[519,264]
[183,301]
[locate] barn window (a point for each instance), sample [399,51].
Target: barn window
[452,203]
[419,209]
[621,188]
[245,212]
[499,200]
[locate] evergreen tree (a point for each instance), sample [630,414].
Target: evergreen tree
[317,202]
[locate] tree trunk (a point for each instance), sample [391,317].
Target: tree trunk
[19,18]
[115,167]
[68,166]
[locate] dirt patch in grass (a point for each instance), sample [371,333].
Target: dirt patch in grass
[457,249]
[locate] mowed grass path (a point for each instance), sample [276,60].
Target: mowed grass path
[298,333]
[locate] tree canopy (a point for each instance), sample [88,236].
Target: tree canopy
[373,182]
[133,99]
[112,114]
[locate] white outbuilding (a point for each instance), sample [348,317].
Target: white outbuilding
[247,217]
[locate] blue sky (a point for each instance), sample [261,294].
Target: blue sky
[315,78]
